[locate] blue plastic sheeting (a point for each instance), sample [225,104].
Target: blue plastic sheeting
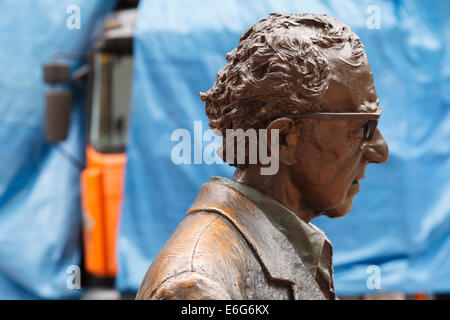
[39,187]
[401,219]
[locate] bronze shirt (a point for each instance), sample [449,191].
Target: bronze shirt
[310,243]
[236,243]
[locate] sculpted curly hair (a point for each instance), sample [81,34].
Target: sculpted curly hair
[278,67]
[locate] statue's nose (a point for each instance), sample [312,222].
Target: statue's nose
[378,150]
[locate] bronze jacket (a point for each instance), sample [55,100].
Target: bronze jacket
[227,247]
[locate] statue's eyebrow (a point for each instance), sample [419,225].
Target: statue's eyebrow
[370,106]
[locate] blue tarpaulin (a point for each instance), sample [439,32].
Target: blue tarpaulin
[401,219]
[39,185]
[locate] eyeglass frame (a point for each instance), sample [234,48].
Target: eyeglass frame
[371,117]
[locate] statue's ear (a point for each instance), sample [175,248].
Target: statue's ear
[286,150]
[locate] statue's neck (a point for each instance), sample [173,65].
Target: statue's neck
[278,187]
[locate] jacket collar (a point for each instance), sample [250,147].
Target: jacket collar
[310,243]
[276,254]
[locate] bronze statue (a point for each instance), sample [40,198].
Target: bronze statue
[250,237]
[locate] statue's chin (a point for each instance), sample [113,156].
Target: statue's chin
[341,210]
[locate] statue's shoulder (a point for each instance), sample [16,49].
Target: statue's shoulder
[196,258]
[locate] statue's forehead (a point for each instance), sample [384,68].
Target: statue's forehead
[351,81]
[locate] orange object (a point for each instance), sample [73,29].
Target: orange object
[102,193]
[420,296]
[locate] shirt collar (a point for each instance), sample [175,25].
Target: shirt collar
[309,242]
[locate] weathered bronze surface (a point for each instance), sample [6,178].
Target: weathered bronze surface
[251,237]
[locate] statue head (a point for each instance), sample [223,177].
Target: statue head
[307,76]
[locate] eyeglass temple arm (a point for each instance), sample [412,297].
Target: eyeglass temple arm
[342,115]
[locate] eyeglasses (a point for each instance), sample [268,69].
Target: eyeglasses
[369,127]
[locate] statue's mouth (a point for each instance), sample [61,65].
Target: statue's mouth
[355,187]
[356,181]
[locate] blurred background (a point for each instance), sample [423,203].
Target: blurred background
[92,90]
